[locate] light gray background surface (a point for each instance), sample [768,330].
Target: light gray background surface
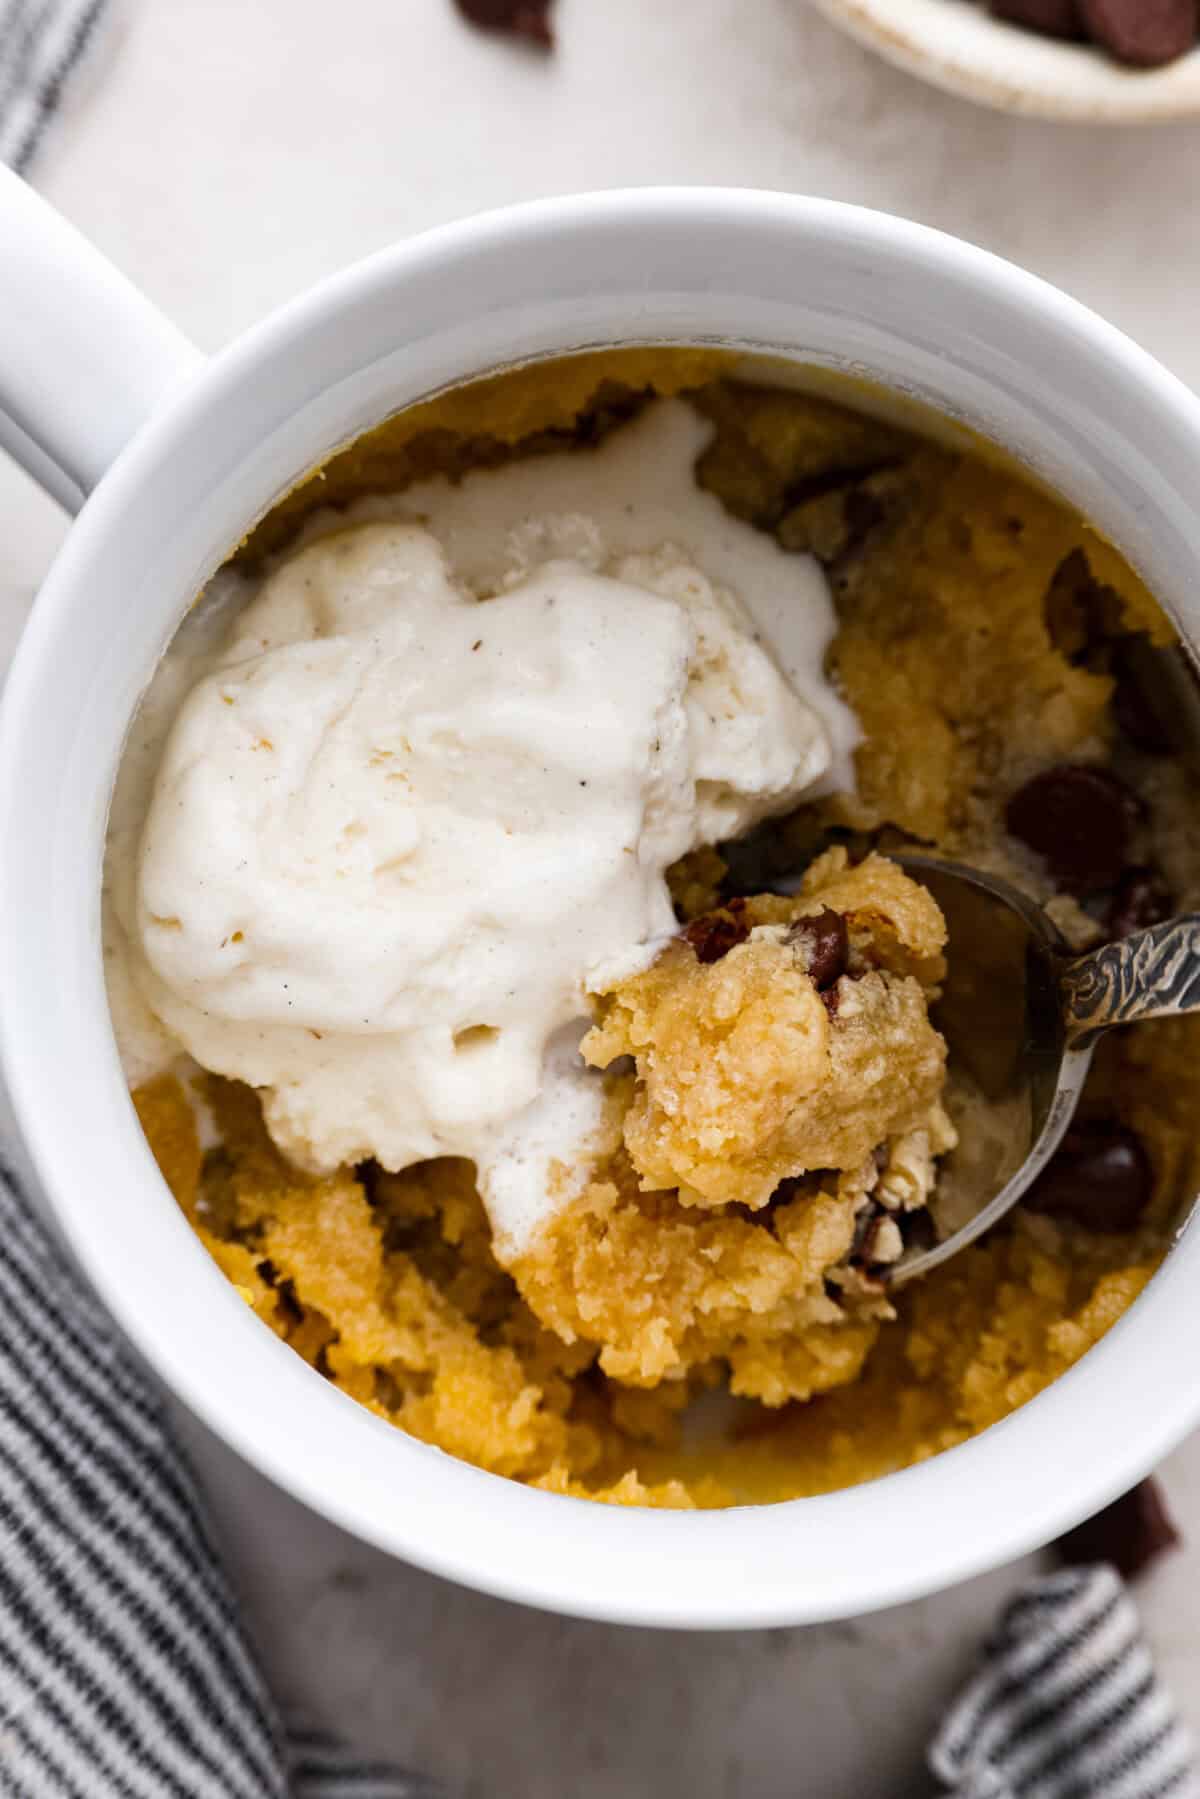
[226,153]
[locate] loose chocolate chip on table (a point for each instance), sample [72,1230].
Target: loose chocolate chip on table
[520,18]
[1140,898]
[1100,1177]
[1131,1533]
[714,935]
[823,943]
[1057,18]
[1079,819]
[1143,32]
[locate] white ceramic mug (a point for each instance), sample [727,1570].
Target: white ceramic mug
[91,376]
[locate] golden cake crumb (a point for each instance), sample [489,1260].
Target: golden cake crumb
[665,1290]
[169,1122]
[746,1077]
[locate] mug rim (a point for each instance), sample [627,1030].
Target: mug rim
[771,1565]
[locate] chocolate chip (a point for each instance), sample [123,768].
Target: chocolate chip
[1079,819]
[714,935]
[1145,33]
[1100,1177]
[1131,1533]
[824,944]
[1141,898]
[1057,18]
[519,18]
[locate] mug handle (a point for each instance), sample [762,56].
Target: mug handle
[84,357]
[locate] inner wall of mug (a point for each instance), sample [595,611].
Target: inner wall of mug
[952,330]
[816,284]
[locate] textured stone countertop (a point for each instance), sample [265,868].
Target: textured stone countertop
[227,154]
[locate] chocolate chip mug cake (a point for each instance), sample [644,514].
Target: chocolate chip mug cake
[464,1002]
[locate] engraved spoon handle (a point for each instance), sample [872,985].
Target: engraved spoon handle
[1154,973]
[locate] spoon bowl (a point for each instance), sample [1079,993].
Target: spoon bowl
[1021,1014]
[1015,1079]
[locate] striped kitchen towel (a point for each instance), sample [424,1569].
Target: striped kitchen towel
[44,45]
[1067,1704]
[125,1671]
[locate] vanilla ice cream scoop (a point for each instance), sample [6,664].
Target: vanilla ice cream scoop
[398,832]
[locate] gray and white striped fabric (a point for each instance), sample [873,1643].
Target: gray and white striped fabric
[1067,1704]
[44,44]
[125,1672]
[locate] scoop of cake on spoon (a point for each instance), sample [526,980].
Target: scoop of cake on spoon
[1021,1014]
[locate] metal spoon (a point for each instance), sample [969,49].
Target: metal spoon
[1021,1015]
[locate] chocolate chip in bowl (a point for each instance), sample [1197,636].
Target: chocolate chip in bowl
[824,943]
[1143,33]
[1100,1177]
[1079,819]
[1057,18]
[1087,61]
[716,934]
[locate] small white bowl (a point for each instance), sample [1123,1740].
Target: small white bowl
[957,45]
